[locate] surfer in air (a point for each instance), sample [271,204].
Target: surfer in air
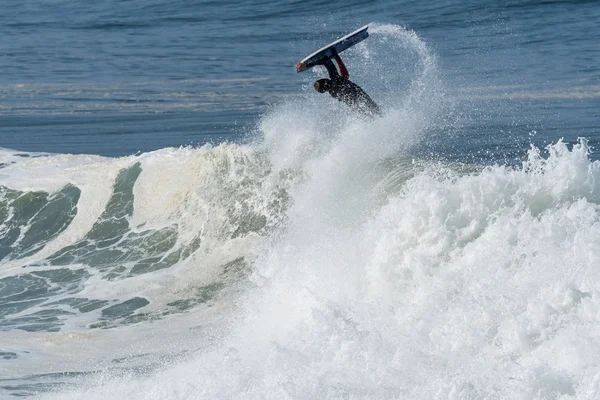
[341,88]
[339,85]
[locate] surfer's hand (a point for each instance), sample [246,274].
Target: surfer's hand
[300,66]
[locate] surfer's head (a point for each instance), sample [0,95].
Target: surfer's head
[323,85]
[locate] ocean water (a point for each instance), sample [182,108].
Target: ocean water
[183,217]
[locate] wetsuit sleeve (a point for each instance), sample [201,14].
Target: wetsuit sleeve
[343,70]
[333,73]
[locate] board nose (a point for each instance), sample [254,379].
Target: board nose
[300,66]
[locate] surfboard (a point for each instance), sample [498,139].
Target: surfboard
[334,48]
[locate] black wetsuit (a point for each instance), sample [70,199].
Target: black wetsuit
[348,92]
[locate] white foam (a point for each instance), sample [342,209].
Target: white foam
[483,285]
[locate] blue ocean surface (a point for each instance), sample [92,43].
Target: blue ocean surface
[182,216]
[116,78]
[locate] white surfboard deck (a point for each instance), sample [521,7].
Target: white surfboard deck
[334,48]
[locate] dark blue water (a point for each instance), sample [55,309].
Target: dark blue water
[116,78]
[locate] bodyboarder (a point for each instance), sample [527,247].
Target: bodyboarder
[341,88]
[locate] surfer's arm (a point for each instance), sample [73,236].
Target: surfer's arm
[333,73]
[343,70]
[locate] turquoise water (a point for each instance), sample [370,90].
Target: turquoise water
[182,216]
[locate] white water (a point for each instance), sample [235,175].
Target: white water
[457,286]
[476,286]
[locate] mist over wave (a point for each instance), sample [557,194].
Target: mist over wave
[320,260]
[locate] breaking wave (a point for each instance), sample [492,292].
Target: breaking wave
[321,260]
